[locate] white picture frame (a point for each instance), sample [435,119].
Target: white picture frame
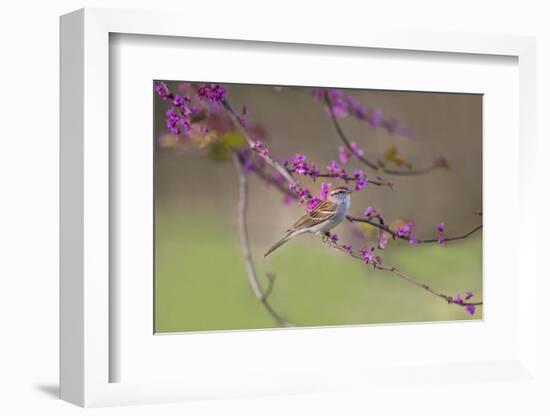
[86,327]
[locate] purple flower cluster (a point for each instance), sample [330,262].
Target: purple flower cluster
[175,121]
[334,168]
[163,91]
[459,300]
[260,148]
[213,93]
[178,115]
[302,167]
[339,103]
[312,204]
[336,171]
[383,240]
[376,119]
[372,212]
[405,231]
[314,201]
[361,179]
[344,154]
[305,195]
[325,187]
[182,103]
[343,105]
[471,309]
[368,256]
[441,230]
[172,121]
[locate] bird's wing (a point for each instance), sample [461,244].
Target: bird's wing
[324,211]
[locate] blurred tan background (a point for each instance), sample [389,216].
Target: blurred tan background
[200,280]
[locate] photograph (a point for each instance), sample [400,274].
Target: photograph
[282,206]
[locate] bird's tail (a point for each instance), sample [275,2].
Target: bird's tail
[280,243]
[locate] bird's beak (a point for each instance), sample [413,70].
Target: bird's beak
[349,191]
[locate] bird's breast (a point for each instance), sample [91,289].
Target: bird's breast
[343,209]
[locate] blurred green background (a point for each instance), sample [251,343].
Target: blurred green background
[200,277]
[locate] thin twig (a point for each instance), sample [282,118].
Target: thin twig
[271,282]
[245,245]
[394,234]
[266,177]
[240,125]
[347,178]
[459,237]
[343,136]
[360,157]
[404,276]
[424,286]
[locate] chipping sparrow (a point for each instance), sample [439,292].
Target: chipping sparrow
[323,218]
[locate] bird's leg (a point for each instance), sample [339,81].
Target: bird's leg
[326,238]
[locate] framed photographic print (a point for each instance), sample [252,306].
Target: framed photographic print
[281,226]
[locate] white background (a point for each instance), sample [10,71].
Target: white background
[29,209]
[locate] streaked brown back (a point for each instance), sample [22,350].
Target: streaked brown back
[322,212]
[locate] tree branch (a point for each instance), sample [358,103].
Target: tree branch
[245,245]
[266,177]
[347,178]
[402,275]
[387,229]
[424,286]
[360,157]
[241,127]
